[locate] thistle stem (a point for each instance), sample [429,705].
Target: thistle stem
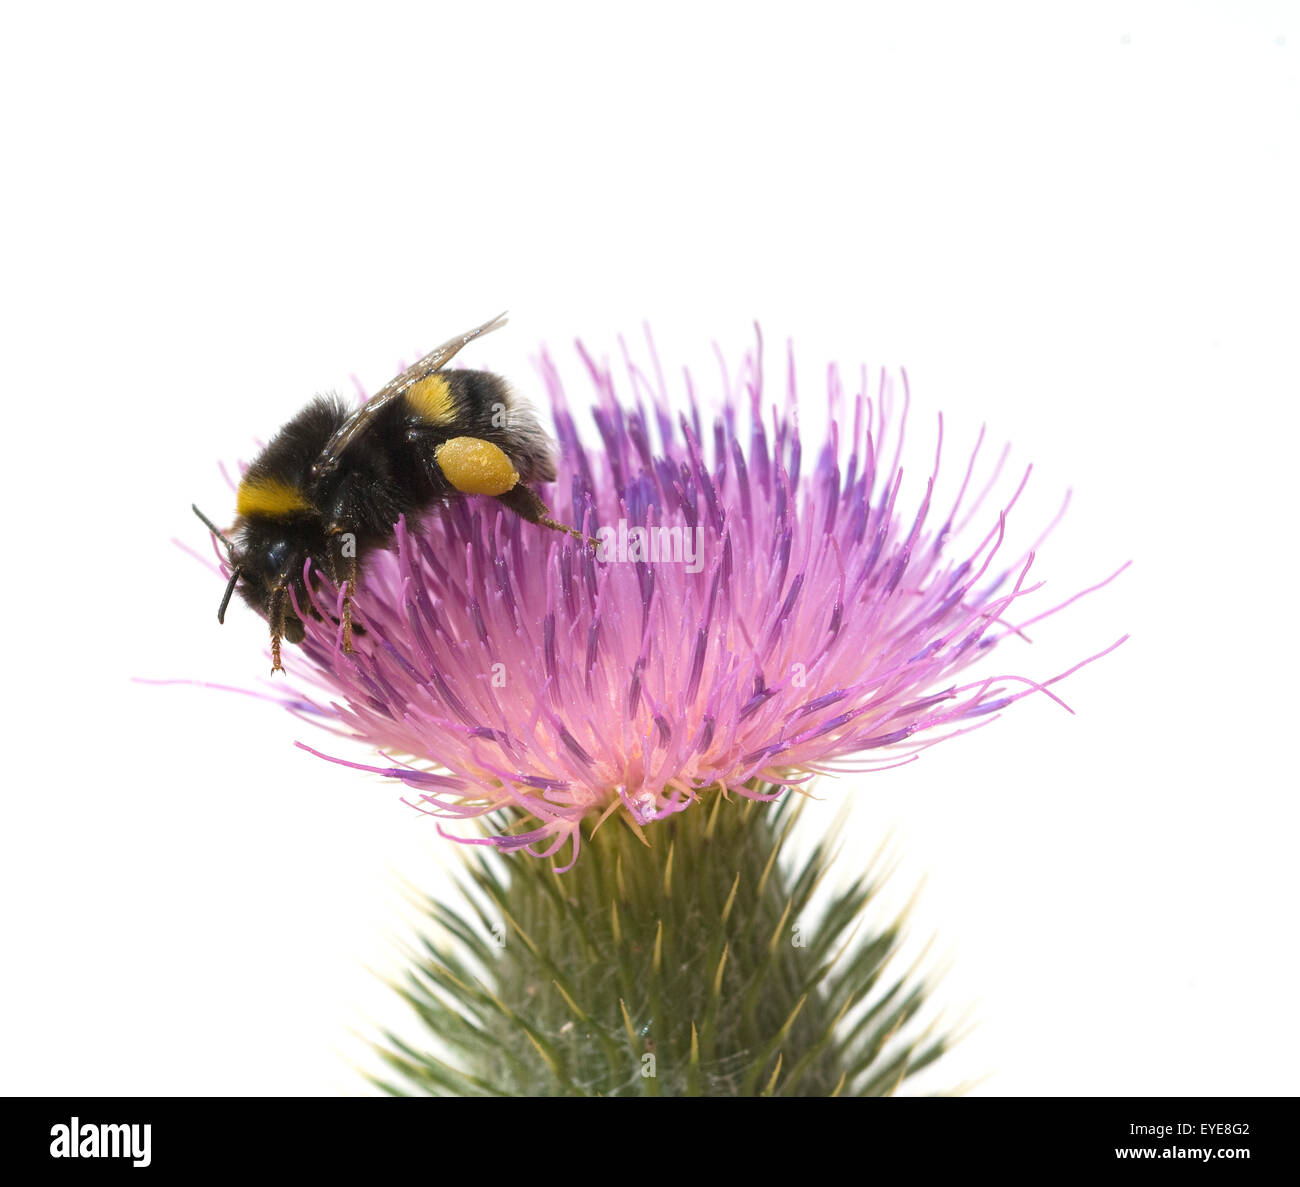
[693,965]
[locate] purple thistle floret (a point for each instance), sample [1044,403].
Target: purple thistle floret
[506,665]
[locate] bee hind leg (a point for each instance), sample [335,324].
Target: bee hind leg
[527,504]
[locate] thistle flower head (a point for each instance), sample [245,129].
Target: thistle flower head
[751,617]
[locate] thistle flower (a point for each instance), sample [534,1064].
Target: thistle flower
[746,622]
[749,619]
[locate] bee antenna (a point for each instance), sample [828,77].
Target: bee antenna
[216,531]
[230,589]
[277,627]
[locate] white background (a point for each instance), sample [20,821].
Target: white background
[1077,223]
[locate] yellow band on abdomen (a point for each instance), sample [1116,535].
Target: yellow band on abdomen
[431,401]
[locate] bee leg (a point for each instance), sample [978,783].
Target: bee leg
[525,503]
[348,586]
[349,581]
[277,628]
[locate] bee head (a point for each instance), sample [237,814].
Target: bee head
[270,560]
[269,566]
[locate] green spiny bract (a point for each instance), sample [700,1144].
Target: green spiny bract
[694,965]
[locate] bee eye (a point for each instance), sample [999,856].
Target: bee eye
[274,558]
[476,467]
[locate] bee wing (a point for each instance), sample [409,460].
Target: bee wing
[356,424]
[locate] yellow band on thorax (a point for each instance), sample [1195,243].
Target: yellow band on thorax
[270,497]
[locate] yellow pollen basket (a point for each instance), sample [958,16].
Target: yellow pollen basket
[476,467]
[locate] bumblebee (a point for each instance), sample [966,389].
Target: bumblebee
[332,483]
